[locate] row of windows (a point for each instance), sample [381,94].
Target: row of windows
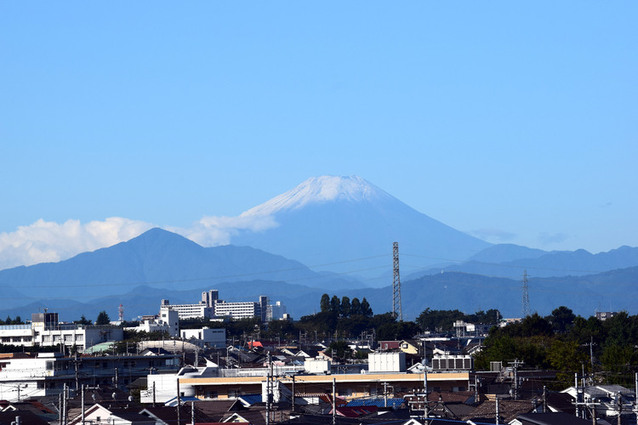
[10,339]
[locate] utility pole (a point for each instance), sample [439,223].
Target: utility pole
[64,404]
[619,402]
[385,394]
[334,401]
[293,394]
[425,395]
[76,364]
[268,390]
[396,284]
[82,401]
[515,364]
[544,399]
[591,355]
[179,403]
[497,411]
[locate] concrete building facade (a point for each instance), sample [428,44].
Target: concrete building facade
[45,330]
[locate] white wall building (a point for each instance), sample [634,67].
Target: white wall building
[276,311]
[166,321]
[211,307]
[190,311]
[205,336]
[386,362]
[25,375]
[45,330]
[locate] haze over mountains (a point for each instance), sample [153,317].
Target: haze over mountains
[341,224]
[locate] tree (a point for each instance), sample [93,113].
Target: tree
[83,321]
[103,318]
[335,305]
[345,306]
[355,307]
[366,310]
[325,303]
[439,320]
[562,319]
[340,350]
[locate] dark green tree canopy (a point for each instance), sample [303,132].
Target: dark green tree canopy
[103,318]
[325,303]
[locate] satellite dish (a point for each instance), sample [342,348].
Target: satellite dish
[93,397]
[114,395]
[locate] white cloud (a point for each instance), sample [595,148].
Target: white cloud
[493,235]
[214,231]
[46,241]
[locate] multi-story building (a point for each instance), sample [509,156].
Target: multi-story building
[190,311]
[211,307]
[276,311]
[24,375]
[166,321]
[212,383]
[45,330]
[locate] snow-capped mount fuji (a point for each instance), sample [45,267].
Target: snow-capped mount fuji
[348,225]
[317,190]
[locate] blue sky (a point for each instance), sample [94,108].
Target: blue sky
[514,121]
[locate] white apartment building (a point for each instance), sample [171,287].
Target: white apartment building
[24,375]
[211,307]
[276,311]
[190,311]
[45,330]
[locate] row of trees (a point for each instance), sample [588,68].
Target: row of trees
[10,321]
[443,320]
[345,307]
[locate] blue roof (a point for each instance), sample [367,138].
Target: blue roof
[173,402]
[250,399]
[395,403]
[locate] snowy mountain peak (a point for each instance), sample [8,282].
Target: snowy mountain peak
[318,190]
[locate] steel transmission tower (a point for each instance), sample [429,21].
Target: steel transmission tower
[396,284]
[526,309]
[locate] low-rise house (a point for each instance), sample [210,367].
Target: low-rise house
[98,414]
[22,418]
[549,419]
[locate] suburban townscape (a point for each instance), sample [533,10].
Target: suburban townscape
[318,212]
[214,361]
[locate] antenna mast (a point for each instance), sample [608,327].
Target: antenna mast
[120,312]
[526,309]
[396,284]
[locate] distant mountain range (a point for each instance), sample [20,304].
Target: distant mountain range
[512,261]
[341,227]
[160,258]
